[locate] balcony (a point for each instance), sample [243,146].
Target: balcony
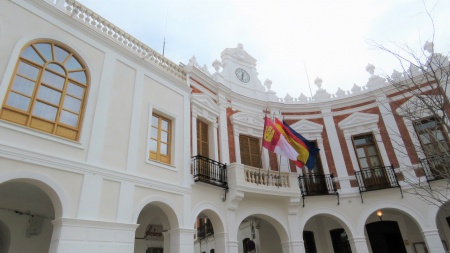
[436,167]
[265,182]
[377,179]
[317,184]
[209,171]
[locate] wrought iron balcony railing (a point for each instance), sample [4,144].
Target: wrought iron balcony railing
[209,171]
[377,179]
[317,184]
[436,167]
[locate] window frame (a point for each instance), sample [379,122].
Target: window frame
[439,127]
[27,118]
[203,144]
[157,155]
[257,144]
[366,152]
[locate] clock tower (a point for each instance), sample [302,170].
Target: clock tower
[239,73]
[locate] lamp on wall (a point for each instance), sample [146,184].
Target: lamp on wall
[380,215]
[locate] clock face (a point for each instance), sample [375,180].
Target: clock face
[242,75]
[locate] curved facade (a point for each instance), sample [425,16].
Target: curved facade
[124,151]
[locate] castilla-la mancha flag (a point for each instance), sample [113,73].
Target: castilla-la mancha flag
[274,141]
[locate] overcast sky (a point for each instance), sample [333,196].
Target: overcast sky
[290,39]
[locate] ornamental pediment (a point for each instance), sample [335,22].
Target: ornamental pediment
[306,126]
[418,107]
[246,119]
[204,105]
[359,119]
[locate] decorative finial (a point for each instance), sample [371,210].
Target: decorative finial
[429,47]
[268,84]
[318,82]
[217,64]
[370,68]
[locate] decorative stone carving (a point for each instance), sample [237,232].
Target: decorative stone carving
[268,84]
[217,64]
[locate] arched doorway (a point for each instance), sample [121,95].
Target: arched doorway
[151,235]
[258,234]
[443,225]
[392,230]
[27,211]
[325,233]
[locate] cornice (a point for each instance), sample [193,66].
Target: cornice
[31,157]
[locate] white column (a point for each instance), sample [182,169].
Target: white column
[359,244]
[233,246]
[351,150]
[181,240]
[323,157]
[194,134]
[393,132]
[220,240]
[97,138]
[214,141]
[338,158]
[295,245]
[166,246]
[264,159]
[78,235]
[133,143]
[90,197]
[125,211]
[223,130]
[236,148]
[433,241]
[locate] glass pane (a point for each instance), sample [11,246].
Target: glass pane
[53,80]
[153,145]
[60,54]
[164,137]
[438,135]
[79,76]
[45,111]
[30,54]
[18,101]
[46,50]
[28,71]
[72,104]
[154,133]
[164,125]
[425,138]
[154,121]
[23,85]
[68,118]
[163,149]
[56,68]
[363,163]
[371,150]
[49,95]
[75,90]
[360,152]
[72,64]
[375,161]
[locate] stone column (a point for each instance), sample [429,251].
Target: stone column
[181,240]
[220,241]
[338,158]
[214,142]
[194,134]
[433,241]
[166,236]
[90,197]
[359,244]
[77,235]
[223,131]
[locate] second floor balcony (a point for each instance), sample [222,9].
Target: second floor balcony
[209,171]
[436,167]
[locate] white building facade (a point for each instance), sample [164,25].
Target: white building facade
[107,146]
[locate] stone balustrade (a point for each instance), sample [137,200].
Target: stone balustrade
[109,30]
[268,178]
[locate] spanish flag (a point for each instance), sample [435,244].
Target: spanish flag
[274,141]
[307,153]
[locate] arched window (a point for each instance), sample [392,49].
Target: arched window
[48,90]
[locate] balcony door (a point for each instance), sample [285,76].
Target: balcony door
[250,149]
[370,163]
[316,182]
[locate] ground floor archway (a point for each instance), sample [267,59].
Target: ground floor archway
[26,213]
